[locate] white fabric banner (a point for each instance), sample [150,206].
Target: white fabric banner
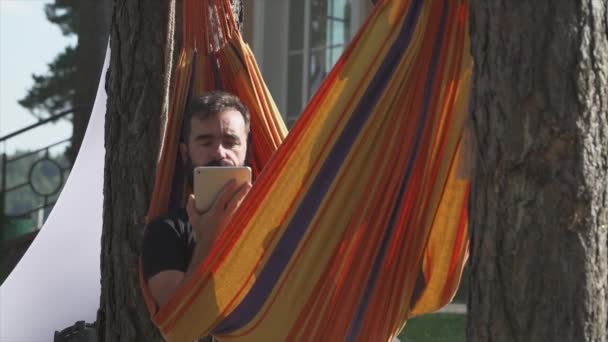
[58,281]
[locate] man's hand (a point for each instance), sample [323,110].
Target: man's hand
[207,226]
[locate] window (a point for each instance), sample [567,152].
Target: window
[297,42]
[318,33]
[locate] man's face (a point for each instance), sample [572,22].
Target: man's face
[218,140]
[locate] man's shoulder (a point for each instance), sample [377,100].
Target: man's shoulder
[176,221]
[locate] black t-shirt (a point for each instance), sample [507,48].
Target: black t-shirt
[168,244]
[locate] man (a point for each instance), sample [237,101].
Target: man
[215,134]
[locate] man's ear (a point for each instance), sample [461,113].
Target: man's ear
[183,151]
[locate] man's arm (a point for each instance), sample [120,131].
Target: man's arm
[164,284]
[206,228]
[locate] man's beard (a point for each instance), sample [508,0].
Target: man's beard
[220,162]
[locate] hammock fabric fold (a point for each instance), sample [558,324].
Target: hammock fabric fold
[357,219]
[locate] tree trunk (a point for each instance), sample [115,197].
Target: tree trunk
[93,27]
[136,94]
[137,83]
[539,250]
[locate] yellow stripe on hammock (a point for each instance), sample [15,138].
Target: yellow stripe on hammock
[358,218]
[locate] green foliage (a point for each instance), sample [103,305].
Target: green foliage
[54,91]
[3,219]
[45,177]
[435,328]
[14,224]
[61,12]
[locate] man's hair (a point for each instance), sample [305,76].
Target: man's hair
[213,103]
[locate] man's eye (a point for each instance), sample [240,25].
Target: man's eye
[230,143]
[206,143]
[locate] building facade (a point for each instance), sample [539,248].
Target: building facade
[296,42]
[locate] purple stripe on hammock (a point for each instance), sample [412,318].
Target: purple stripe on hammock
[268,276]
[388,235]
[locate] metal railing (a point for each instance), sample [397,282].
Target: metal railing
[40,160]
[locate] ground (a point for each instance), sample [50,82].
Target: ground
[439,327]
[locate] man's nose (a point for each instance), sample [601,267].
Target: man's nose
[220,151]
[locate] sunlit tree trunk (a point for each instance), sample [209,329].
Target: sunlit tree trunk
[539,251]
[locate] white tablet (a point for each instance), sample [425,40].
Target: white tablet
[209,180]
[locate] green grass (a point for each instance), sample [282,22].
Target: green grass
[435,328]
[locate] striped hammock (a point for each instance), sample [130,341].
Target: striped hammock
[358,218]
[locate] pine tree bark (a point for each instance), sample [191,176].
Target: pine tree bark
[135,86]
[142,44]
[539,250]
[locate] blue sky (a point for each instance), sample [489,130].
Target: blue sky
[28,42]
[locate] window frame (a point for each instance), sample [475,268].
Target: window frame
[268,17]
